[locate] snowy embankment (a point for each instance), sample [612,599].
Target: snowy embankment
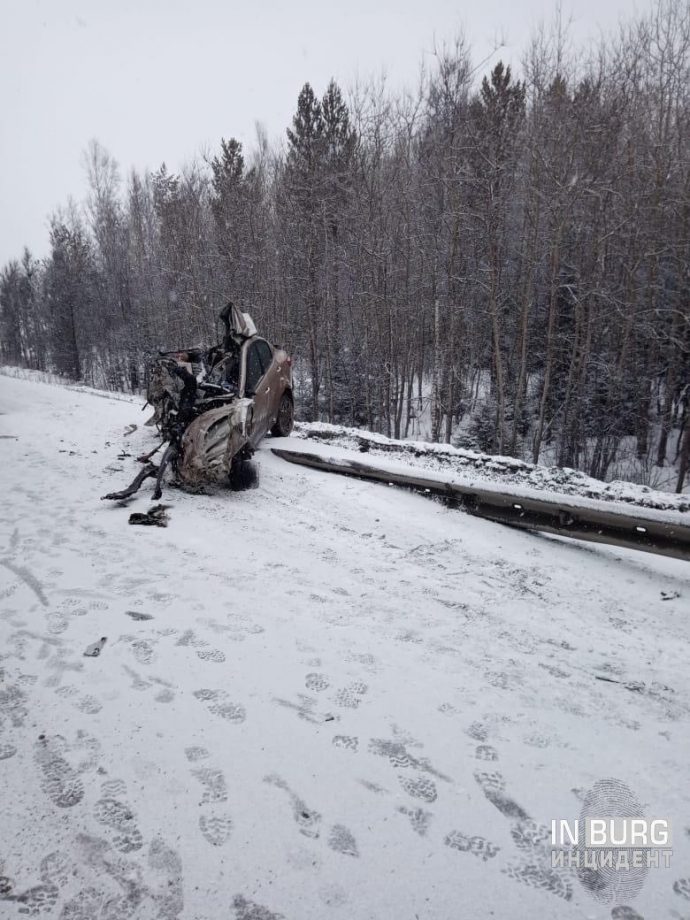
[319,698]
[463,465]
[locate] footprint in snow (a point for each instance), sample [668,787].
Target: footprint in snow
[211,655]
[59,780]
[486,752]
[419,819]
[218,703]
[215,825]
[477,846]
[342,841]
[347,742]
[308,820]
[351,696]
[419,788]
[316,682]
[87,704]
[118,817]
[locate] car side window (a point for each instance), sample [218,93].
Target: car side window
[254,369]
[265,354]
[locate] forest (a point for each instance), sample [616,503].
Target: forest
[498,258]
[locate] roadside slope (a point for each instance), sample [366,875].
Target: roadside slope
[512,474]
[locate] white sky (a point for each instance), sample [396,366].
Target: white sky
[159,80]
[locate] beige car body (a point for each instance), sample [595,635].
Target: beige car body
[218,437]
[267,392]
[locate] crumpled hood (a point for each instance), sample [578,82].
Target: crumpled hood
[213,439]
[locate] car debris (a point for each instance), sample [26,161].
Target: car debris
[95,649]
[149,470]
[637,686]
[212,407]
[154,517]
[137,615]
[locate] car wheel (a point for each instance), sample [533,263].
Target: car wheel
[286,417]
[244,475]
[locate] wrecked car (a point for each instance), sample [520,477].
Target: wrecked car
[212,407]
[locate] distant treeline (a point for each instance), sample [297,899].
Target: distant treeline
[505,260]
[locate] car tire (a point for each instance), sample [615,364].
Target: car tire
[286,417]
[244,475]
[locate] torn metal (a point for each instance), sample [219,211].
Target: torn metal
[213,406]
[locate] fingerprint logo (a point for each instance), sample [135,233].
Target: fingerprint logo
[610,798]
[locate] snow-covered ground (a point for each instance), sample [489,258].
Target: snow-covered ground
[321,698]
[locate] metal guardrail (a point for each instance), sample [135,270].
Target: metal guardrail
[563,517]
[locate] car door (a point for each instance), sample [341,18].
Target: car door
[272,383]
[258,360]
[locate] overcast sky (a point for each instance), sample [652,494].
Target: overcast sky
[159,80]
